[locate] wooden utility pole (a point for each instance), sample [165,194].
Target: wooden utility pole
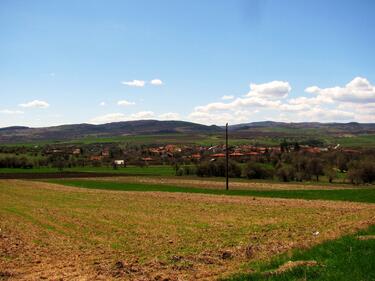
[226,157]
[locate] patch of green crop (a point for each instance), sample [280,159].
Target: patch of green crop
[354,195]
[360,141]
[156,170]
[347,258]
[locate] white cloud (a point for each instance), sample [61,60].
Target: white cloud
[125,103]
[359,90]
[272,90]
[237,104]
[326,115]
[169,116]
[118,117]
[220,118]
[266,96]
[312,90]
[134,83]
[107,118]
[103,103]
[156,82]
[11,112]
[366,118]
[225,97]
[353,102]
[142,115]
[35,104]
[364,108]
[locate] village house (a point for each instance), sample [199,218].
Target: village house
[196,156]
[155,151]
[172,148]
[314,150]
[119,163]
[105,152]
[96,157]
[218,155]
[236,154]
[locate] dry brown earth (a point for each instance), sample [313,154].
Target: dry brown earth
[205,183]
[55,232]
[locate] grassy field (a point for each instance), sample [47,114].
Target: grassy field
[348,258]
[361,141]
[165,170]
[51,231]
[156,170]
[199,139]
[235,183]
[276,136]
[355,195]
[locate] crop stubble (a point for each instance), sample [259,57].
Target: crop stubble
[52,231]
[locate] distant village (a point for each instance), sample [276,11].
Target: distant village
[156,155]
[290,161]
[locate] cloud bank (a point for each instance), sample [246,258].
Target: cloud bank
[141,115]
[354,101]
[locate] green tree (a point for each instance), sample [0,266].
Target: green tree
[330,172]
[315,166]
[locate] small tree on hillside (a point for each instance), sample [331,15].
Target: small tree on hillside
[315,166]
[330,173]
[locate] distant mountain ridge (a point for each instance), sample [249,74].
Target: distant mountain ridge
[77,131]
[17,134]
[350,127]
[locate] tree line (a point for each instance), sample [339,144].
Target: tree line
[293,166]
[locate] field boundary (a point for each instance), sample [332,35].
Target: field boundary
[61,175]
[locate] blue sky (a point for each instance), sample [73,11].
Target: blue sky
[71,61]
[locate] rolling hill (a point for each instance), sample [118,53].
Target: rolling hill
[76,131]
[19,134]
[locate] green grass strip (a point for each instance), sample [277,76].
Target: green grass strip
[347,258]
[354,195]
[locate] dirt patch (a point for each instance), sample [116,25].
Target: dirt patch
[56,232]
[366,237]
[214,184]
[291,265]
[5,275]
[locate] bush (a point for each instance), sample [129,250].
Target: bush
[16,162]
[315,167]
[234,170]
[185,171]
[257,171]
[361,171]
[285,173]
[217,169]
[180,172]
[330,172]
[189,170]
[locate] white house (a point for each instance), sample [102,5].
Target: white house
[119,162]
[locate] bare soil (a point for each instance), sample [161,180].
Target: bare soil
[55,232]
[366,237]
[290,265]
[214,184]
